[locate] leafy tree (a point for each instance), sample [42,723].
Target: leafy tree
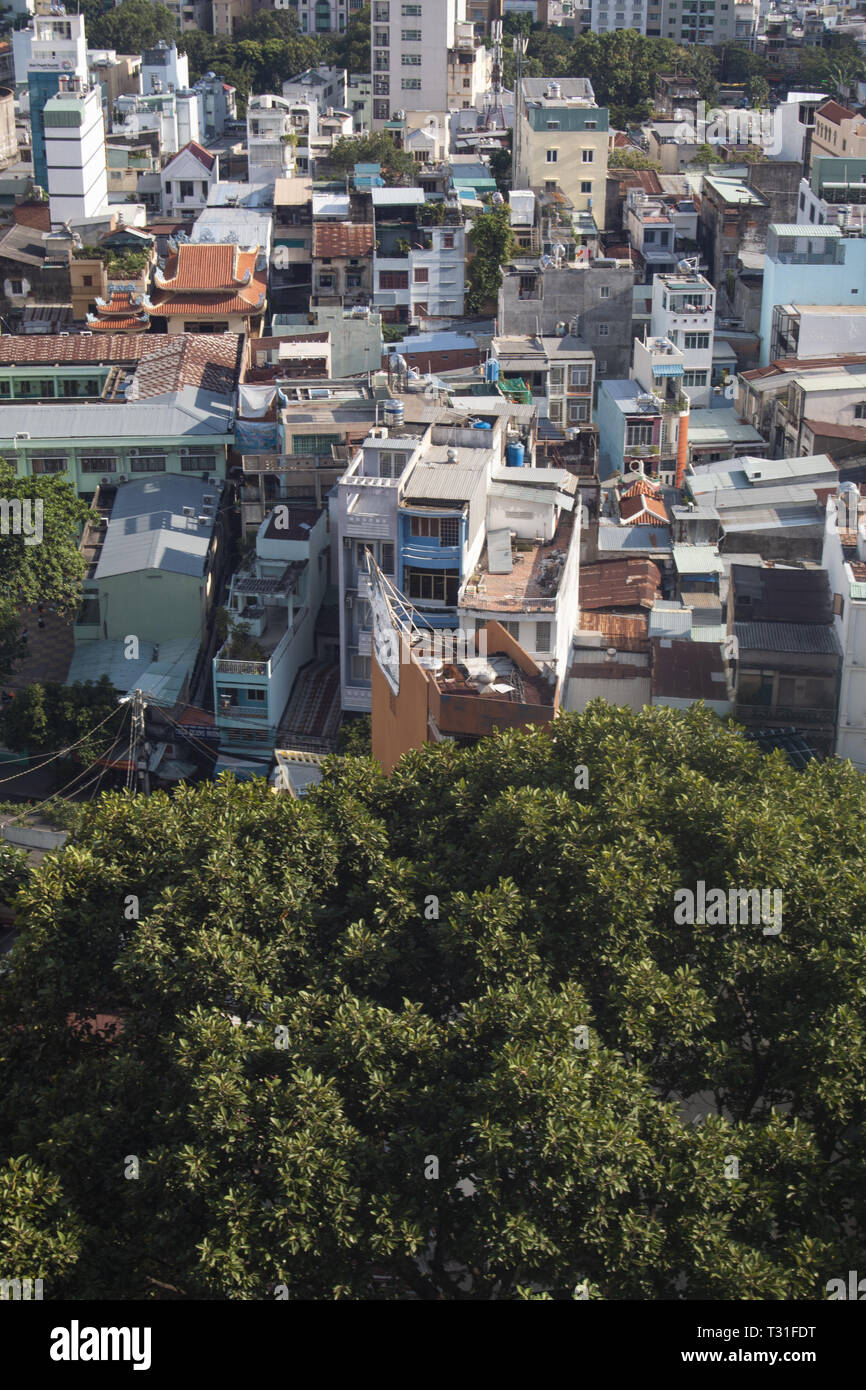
[375,148]
[758,92]
[39,557]
[352,49]
[356,737]
[706,154]
[501,166]
[131,26]
[631,159]
[432,1035]
[493,244]
[54,716]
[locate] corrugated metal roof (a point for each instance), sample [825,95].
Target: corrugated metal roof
[697,559]
[642,538]
[179,413]
[398,197]
[669,622]
[808,638]
[443,481]
[799,229]
[147,529]
[514,492]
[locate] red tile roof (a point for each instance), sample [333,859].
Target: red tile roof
[642,511]
[163,362]
[207,278]
[833,431]
[631,583]
[202,155]
[343,238]
[642,487]
[832,111]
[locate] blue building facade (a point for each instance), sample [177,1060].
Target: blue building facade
[42,86]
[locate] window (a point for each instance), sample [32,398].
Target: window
[391,465]
[542,637]
[556,411]
[361,666]
[638,435]
[422,275]
[256,695]
[694,379]
[444,529]
[552,156]
[5,388]
[513,629]
[588,156]
[393,279]
[557,376]
[50,464]
[697,341]
[411,11]
[381,110]
[87,280]
[411,60]
[578,376]
[578,410]
[586,185]
[448,241]
[411,84]
[550,185]
[860,412]
[604,292]
[467,82]
[98,463]
[326,282]
[603,330]
[187,189]
[434,586]
[198,459]
[386,557]
[148,463]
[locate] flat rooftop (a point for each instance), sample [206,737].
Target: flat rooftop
[534,577]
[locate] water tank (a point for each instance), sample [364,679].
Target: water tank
[492,370]
[393,412]
[514,455]
[479,425]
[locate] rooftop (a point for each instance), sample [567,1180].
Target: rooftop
[533,580]
[147,529]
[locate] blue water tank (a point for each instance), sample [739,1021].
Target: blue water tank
[492,370]
[480,425]
[514,455]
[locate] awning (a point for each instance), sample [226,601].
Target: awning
[668,369]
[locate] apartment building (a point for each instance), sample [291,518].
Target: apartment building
[608,15]
[419,266]
[75,152]
[683,311]
[279,132]
[273,604]
[691,21]
[807,264]
[52,45]
[593,298]
[411,56]
[187,180]
[174,116]
[559,372]
[561,143]
[321,16]
[838,132]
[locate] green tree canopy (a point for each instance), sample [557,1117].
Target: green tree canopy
[632,159]
[376,148]
[129,27]
[54,716]
[493,244]
[434,1035]
[39,558]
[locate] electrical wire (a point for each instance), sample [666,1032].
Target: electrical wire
[62,793]
[63,751]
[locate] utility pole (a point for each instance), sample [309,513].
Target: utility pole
[521,43]
[138,743]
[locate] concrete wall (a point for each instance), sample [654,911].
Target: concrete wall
[562,294]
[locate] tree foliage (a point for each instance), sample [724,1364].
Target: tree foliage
[493,244]
[54,716]
[430,1036]
[129,27]
[47,566]
[375,148]
[632,159]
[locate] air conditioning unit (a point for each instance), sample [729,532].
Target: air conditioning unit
[189,511]
[204,520]
[208,499]
[133,453]
[122,478]
[184,452]
[105,480]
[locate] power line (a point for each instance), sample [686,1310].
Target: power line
[63,751]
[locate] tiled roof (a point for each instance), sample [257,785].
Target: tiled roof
[163,362]
[343,238]
[642,488]
[201,154]
[834,431]
[643,510]
[121,313]
[211,278]
[832,111]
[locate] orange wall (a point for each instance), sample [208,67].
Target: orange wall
[399,721]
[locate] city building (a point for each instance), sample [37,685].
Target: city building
[844,559]
[164,69]
[561,142]
[212,288]
[187,180]
[273,604]
[53,45]
[683,311]
[75,152]
[807,264]
[559,373]
[838,132]
[425,58]
[592,298]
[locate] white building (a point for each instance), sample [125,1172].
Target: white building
[174,115]
[794,119]
[53,43]
[75,152]
[279,132]
[844,559]
[411,45]
[684,311]
[607,15]
[320,16]
[187,180]
[163,69]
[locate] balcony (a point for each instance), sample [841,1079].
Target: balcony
[784,714]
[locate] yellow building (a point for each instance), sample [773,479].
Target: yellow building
[560,142]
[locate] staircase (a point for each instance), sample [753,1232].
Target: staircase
[312,716]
